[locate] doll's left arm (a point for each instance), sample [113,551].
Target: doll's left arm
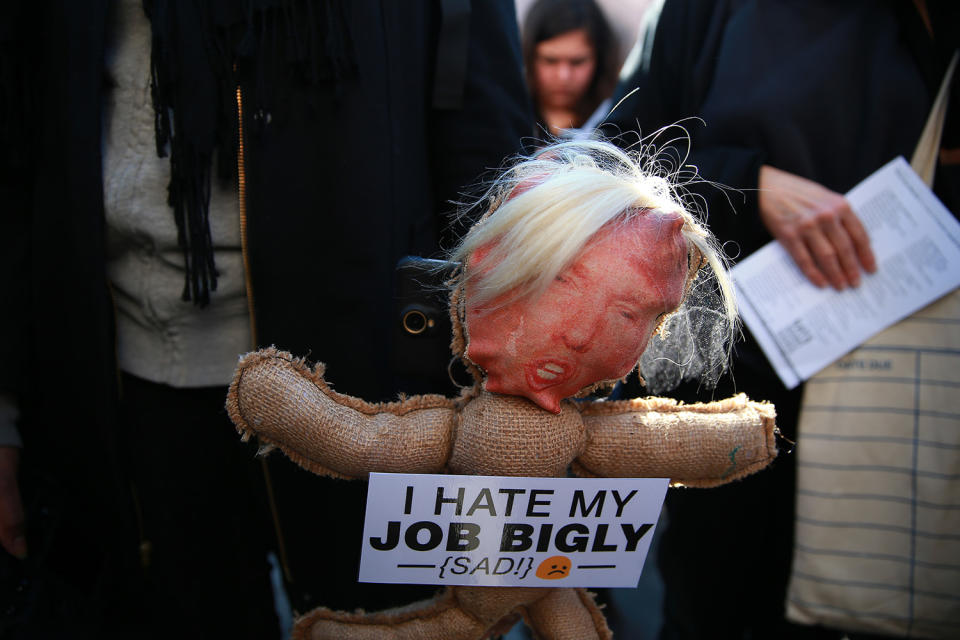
[288,405]
[697,445]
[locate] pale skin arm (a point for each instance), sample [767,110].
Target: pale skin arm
[698,445]
[817,228]
[12,536]
[285,404]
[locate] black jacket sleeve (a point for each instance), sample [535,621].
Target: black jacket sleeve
[665,91]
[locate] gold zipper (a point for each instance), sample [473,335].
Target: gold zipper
[242,205]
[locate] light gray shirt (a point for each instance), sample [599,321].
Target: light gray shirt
[161,337]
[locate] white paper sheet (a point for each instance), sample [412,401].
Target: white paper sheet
[803,329]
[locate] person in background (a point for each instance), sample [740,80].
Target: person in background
[801,102]
[571,62]
[183,182]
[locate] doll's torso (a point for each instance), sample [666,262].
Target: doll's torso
[510,436]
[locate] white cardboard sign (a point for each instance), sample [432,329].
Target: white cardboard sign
[505,531]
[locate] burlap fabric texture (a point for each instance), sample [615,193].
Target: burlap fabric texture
[288,405]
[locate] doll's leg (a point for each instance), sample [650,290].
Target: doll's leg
[418,621]
[459,613]
[568,614]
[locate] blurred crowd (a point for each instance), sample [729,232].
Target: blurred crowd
[185,182]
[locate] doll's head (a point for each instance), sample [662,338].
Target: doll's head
[579,261]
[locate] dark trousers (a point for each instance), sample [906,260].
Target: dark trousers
[726,552]
[203,517]
[322,521]
[725,558]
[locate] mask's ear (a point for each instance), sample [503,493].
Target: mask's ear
[460,339]
[696,260]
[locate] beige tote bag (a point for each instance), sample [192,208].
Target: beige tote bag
[877,533]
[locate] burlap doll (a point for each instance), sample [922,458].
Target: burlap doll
[581,257]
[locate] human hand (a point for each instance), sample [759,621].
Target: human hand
[12,536]
[817,227]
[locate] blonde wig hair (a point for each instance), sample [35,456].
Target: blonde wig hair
[545,208]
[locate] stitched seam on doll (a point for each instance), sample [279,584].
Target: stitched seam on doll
[709,483]
[453,594]
[582,470]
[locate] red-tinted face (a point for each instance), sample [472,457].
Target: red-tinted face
[594,320]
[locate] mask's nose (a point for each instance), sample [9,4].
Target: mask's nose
[671,223]
[579,332]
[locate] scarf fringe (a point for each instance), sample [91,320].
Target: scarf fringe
[189,196]
[196,50]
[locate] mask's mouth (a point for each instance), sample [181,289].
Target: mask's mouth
[548,373]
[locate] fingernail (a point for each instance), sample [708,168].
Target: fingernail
[20,548]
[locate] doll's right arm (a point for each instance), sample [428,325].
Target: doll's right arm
[695,445]
[285,404]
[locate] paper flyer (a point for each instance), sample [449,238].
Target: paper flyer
[802,328]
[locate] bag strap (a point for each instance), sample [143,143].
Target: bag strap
[924,160]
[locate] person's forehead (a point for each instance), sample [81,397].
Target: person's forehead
[572,43]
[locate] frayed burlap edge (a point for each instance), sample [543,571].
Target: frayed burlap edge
[440,604]
[424,610]
[669,405]
[315,376]
[387,618]
[588,598]
[460,339]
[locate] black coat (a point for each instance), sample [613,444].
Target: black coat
[341,179]
[343,186]
[799,86]
[862,116]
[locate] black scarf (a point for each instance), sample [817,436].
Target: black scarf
[198,46]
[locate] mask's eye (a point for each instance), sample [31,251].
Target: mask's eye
[629,315]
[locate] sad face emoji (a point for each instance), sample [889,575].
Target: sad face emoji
[554,568]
